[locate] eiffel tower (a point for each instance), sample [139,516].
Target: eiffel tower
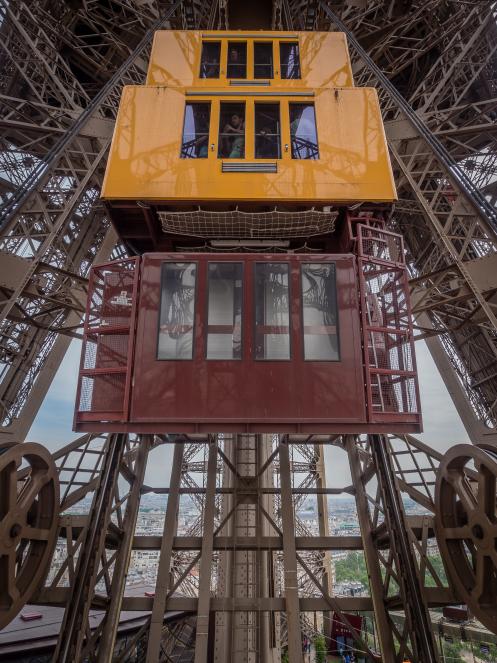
[242,578]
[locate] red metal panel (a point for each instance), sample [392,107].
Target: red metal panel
[371,388]
[283,395]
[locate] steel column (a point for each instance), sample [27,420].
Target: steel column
[324,530]
[108,639]
[383,625]
[170,528]
[73,629]
[421,633]
[290,558]
[204,590]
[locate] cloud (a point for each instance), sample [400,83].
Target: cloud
[53,424]
[442,424]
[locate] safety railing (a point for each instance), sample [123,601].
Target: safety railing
[106,361]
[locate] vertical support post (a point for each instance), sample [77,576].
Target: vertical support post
[204,598]
[269,645]
[420,631]
[162,584]
[74,625]
[108,639]
[224,620]
[290,558]
[323,524]
[383,625]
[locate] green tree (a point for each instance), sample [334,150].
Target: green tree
[452,652]
[320,647]
[352,568]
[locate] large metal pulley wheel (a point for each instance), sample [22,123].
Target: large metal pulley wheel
[466,526]
[29,509]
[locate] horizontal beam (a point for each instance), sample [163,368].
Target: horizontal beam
[59,596]
[199,490]
[252,543]
[261,604]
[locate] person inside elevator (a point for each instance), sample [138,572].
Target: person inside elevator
[234,137]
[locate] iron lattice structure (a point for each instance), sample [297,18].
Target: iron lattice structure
[62,68]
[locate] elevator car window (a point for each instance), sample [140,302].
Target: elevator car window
[210,59]
[195,141]
[303,132]
[320,314]
[237,60]
[263,60]
[289,60]
[267,131]
[231,131]
[177,310]
[272,311]
[224,310]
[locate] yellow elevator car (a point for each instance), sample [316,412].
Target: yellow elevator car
[244,135]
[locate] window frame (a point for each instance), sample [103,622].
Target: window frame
[249,58]
[303,103]
[206,315]
[199,68]
[188,102]
[266,102]
[289,41]
[250,42]
[301,312]
[245,102]
[250,103]
[271,42]
[254,309]
[194,315]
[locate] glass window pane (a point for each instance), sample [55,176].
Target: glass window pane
[272,311]
[320,315]
[303,132]
[210,60]
[267,131]
[289,60]
[263,60]
[237,59]
[224,315]
[231,131]
[177,310]
[195,142]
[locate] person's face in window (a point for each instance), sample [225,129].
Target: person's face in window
[236,121]
[234,56]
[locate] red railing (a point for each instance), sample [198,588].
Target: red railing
[392,391]
[106,361]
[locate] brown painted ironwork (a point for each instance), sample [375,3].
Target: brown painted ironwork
[55,59]
[466,526]
[29,509]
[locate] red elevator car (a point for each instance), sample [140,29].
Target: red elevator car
[283,342]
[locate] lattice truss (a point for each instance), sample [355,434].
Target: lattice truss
[61,73]
[224,539]
[441,57]
[62,70]
[61,65]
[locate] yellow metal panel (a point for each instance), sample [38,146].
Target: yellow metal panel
[175,58]
[249,133]
[250,59]
[145,163]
